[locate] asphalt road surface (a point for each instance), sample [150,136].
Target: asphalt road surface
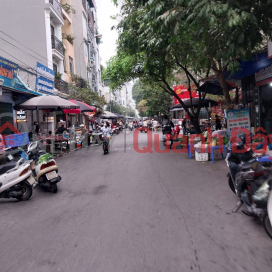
[132,212]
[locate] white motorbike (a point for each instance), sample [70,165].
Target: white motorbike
[16,180]
[44,167]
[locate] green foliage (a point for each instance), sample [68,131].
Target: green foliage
[80,90]
[157,101]
[159,38]
[142,108]
[116,108]
[68,8]
[68,37]
[138,91]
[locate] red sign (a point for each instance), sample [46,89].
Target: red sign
[183,93]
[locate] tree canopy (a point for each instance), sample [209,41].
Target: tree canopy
[80,90]
[159,38]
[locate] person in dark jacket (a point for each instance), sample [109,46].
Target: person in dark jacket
[217,123]
[184,126]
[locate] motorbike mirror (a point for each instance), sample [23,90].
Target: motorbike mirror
[20,162]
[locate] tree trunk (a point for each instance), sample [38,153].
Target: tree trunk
[224,85]
[196,124]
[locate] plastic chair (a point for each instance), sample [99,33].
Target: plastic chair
[212,148]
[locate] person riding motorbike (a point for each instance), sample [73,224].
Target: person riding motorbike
[106,130]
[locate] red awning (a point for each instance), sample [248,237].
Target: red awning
[83,107]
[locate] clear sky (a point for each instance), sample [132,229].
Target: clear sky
[105,9]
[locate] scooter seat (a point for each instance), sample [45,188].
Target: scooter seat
[4,168]
[245,167]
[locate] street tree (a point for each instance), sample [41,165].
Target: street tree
[80,90]
[144,52]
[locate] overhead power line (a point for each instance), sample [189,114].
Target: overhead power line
[21,49]
[28,67]
[25,46]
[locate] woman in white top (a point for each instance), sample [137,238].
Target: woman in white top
[155,125]
[106,130]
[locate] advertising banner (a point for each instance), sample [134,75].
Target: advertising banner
[20,116]
[183,93]
[45,79]
[9,76]
[237,119]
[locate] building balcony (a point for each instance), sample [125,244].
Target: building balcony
[57,46]
[62,86]
[56,12]
[90,33]
[57,6]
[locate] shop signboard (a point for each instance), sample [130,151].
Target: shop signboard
[9,76]
[45,79]
[20,116]
[237,119]
[183,93]
[264,76]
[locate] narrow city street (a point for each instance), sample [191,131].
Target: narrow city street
[132,212]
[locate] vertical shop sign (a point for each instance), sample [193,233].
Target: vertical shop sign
[45,79]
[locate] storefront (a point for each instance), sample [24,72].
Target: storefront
[12,91]
[263,99]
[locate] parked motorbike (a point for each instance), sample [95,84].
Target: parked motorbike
[16,179]
[44,167]
[233,159]
[251,181]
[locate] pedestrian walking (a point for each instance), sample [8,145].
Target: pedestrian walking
[184,126]
[37,127]
[218,125]
[3,157]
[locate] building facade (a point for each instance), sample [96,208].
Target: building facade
[86,42]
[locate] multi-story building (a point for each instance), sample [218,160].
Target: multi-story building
[87,42]
[37,37]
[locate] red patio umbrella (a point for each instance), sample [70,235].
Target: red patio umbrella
[83,107]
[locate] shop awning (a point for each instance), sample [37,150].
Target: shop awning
[106,115]
[257,63]
[176,109]
[46,102]
[205,103]
[118,115]
[83,107]
[213,87]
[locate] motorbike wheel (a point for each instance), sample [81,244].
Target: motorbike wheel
[231,185]
[105,149]
[54,188]
[27,192]
[267,226]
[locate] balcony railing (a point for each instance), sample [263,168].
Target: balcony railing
[57,44]
[57,6]
[61,86]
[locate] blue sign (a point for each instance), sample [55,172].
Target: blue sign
[45,79]
[238,119]
[9,75]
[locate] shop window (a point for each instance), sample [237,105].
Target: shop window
[71,65]
[249,92]
[55,68]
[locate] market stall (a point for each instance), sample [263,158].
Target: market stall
[50,104]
